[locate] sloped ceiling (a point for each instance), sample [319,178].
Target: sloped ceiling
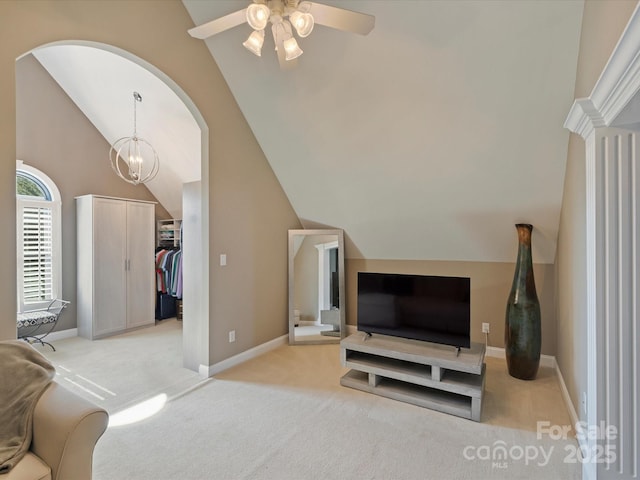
[427,139]
[101,84]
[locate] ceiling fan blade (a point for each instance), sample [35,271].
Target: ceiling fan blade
[342,19]
[218,25]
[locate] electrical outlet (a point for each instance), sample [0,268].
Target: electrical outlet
[232,336]
[485,328]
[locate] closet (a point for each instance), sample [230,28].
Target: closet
[115,265]
[169,269]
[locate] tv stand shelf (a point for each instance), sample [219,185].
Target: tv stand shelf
[422,373]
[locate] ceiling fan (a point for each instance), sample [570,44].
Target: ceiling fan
[286,16]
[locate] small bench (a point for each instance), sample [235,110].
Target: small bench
[34,325]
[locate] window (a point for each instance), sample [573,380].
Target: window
[38,238]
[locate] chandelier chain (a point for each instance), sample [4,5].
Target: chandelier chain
[136,98]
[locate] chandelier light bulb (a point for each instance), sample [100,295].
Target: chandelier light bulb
[135,161]
[258,15]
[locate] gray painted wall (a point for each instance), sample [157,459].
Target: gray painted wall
[490,287]
[602,26]
[245,213]
[54,136]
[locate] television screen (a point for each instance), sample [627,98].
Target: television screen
[430,308]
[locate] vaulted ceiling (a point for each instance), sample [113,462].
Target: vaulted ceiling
[426,139]
[429,138]
[101,83]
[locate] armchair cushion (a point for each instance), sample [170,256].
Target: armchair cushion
[24,375]
[66,428]
[30,468]
[62,433]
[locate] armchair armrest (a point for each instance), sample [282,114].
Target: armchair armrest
[66,428]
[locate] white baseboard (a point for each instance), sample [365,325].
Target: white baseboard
[582,440]
[545,360]
[496,352]
[567,398]
[211,370]
[548,361]
[62,334]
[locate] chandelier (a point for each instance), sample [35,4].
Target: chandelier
[133,158]
[284,15]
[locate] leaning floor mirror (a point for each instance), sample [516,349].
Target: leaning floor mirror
[316,286]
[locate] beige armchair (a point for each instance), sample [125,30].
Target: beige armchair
[66,428]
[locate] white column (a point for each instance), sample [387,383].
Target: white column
[613,267]
[617,335]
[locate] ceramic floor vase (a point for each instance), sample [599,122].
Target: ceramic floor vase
[522,333]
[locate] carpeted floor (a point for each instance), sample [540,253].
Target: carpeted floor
[284,416]
[120,371]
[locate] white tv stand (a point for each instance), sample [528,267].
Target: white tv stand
[422,373]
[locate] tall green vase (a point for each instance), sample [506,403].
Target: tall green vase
[522,333]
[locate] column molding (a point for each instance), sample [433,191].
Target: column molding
[616,87]
[618,83]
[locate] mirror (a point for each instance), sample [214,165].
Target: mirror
[316,286]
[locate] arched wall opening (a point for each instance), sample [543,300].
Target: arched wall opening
[244,212]
[196,323]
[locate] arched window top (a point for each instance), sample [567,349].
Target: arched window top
[33,184]
[29,186]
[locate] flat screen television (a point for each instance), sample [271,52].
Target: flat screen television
[430,308]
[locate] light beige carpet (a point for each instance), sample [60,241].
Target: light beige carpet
[284,415]
[120,371]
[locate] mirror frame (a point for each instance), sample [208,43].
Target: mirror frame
[341,287]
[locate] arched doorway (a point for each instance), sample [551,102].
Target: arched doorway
[155,81]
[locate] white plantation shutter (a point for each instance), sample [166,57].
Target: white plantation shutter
[39,249]
[37,254]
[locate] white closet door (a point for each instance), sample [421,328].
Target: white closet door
[141,264]
[109,255]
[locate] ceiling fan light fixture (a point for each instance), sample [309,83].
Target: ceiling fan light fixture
[254,42]
[291,49]
[258,15]
[285,16]
[280,29]
[302,22]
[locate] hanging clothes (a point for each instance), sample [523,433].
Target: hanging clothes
[169,272]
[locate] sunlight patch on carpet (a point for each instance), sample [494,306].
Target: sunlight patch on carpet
[139,412]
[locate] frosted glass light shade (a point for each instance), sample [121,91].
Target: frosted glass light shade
[302,22]
[258,16]
[291,49]
[254,42]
